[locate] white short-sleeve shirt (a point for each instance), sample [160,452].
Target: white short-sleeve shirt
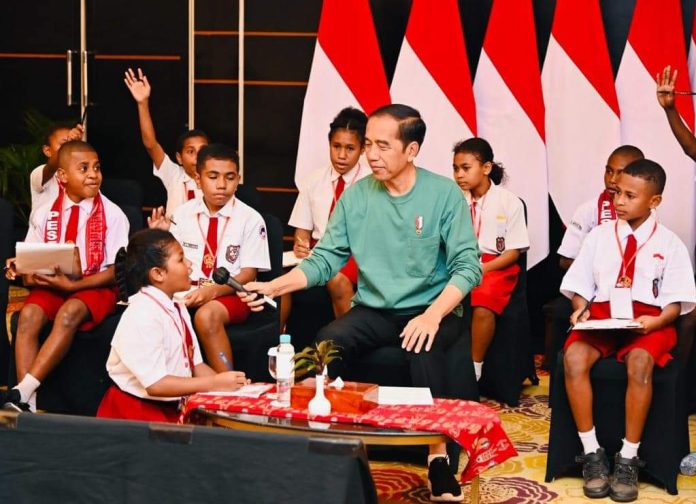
[663,272]
[502,224]
[149,343]
[584,220]
[42,193]
[242,240]
[311,210]
[117,227]
[177,183]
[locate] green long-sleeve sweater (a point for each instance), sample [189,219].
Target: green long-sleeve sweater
[408,248]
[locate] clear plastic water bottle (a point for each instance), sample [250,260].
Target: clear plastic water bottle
[285,374]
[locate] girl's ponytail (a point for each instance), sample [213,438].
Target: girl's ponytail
[121,274]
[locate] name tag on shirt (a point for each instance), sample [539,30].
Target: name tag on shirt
[621,303]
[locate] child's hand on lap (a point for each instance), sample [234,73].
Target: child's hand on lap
[60,281]
[200,296]
[648,324]
[230,380]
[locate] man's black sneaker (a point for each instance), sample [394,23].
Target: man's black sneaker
[442,484]
[595,474]
[11,399]
[624,481]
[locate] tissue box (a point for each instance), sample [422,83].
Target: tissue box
[354,397]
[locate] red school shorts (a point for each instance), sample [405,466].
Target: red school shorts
[122,406]
[496,287]
[657,343]
[100,302]
[237,310]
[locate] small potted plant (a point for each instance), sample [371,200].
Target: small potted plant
[317,358]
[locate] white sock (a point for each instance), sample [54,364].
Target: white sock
[629,450]
[32,403]
[478,367]
[589,441]
[27,387]
[437,455]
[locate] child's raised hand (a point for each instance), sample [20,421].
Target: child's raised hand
[158,219]
[76,133]
[665,87]
[230,380]
[138,85]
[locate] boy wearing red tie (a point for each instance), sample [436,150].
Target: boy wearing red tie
[83,216]
[217,230]
[641,267]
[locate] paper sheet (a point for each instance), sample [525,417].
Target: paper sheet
[289,259]
[44,257]
[254,390]
[405,395]
[595,325]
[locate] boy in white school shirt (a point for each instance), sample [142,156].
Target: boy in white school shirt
[643,268]
[236,240]
[179,178]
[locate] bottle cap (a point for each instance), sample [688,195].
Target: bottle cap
[284,338]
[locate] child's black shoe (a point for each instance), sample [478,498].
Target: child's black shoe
[11,399]
[624,481]
[595,474]
[442,483]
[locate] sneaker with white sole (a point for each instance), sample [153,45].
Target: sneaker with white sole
[442,483]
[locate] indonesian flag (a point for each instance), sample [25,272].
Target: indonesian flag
[692,56]
[432,75]
[510,110]
[582,111]
[347,70]
[656,40]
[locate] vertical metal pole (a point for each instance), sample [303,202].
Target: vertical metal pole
[240,87]
[191,64]
[84,90]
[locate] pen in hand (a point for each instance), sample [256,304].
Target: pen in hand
[587,307]
[226,362]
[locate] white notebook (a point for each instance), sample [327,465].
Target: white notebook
[596,325]
[44,257]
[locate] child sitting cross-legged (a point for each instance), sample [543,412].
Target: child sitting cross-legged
[640,266]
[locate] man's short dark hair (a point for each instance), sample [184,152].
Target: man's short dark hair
[216,151]
[649,171]
[194,133]
[411,125]
[628,151]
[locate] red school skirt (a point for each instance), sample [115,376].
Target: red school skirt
[657,343]
[100,302]
[120,405]
[496,287]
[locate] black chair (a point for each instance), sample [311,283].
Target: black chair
[251,340]
[78,383]
[249,195]
[509,360]
[7,216]
[135,218]
[665,437]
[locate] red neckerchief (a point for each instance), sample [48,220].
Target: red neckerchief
[605,208]
[95,231]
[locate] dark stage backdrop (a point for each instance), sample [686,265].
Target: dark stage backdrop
[279,42]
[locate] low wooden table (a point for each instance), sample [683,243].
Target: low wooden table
[369,435]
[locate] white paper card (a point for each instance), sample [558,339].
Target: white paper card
[405,395]
[620,303]
[598,325]
[42,258]
[289,259]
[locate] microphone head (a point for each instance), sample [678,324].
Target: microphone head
[221,276]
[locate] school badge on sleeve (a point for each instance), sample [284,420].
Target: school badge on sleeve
[500,244]
[262,232]
[232,253]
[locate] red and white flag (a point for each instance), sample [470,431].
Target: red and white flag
[582,111]
[655,40]
[347,70]
[692,56]
[432,75]
[510,112]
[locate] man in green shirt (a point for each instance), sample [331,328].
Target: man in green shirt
[411,235]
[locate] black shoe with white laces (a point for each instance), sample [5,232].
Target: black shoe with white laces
[442,483]
[595,474]
[624,481]
[11,399]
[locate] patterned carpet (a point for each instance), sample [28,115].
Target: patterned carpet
[519,480]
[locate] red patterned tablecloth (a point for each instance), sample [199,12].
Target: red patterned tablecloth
[474,426]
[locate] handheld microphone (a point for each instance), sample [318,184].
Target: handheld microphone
[222,277]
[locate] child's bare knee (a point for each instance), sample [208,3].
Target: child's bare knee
[575,362]
[208,318]
[31,315]
[639,365]
[71,314]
